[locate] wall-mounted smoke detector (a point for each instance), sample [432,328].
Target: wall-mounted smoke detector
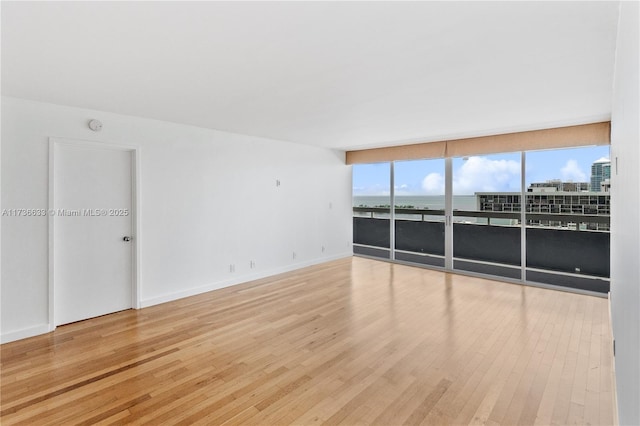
[95,125]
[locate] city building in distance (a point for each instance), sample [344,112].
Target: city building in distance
[568,206]
[567,200]
[600,172]
[556,185]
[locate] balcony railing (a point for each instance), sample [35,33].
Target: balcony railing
[561,249]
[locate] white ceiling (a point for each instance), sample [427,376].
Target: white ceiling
[338,75]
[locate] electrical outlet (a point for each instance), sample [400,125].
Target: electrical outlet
[330,205]
[232,268]
[252,264]
[294,255]
[323,249]
[277,182]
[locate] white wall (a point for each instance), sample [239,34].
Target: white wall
[208,199]
[625,217]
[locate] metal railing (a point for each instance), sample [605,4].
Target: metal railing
[530,217]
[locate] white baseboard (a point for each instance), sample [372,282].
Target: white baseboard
[24,333]
[169,297]
[45,328]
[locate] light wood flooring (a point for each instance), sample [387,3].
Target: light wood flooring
[354,341]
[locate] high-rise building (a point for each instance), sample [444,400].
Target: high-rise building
[600,170]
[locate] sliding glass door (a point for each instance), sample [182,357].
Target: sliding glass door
[567,217]
[372,210]
[419,211]
[486,214]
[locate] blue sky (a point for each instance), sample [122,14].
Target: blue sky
[499,172]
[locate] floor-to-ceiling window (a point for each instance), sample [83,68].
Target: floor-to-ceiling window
[486,214]
[372,209]
[567,217]
[467,214]
[419,211]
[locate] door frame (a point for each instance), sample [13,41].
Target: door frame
[135,214]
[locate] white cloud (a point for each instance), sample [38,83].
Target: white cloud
[433,184]
[477,174]
[572,172]
[480,174]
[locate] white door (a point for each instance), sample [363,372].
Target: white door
[92,200]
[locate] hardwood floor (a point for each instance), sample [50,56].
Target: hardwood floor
[355,341]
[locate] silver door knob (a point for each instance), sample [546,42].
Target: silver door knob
[126,238]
